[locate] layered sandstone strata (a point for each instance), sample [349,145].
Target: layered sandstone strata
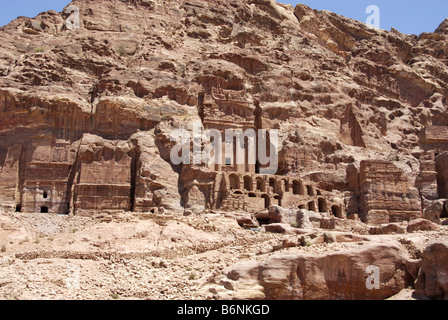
[86,114]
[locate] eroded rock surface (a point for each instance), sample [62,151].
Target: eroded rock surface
[86,117]
[354,106]
[334,276]
[432,279]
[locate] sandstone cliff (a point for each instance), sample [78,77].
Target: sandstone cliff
[86,114]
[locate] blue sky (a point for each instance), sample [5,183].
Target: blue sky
[406,16]
[11,9]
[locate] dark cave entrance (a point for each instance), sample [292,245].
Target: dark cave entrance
[444,213]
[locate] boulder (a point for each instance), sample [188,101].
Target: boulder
[432,280]
[389,228]
[314,217]
[284,229]
[329,237]
[347,225]
[245,220]
[344,275]
[421,225]
[434,211]
[303,219]
[276,214]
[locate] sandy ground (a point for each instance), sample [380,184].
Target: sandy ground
[135,256]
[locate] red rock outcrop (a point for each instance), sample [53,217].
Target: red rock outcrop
[86,114]
[442,175]
[382,193]
[432,279]
[335,276]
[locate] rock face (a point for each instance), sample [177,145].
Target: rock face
[390,228]
[86,114]
[432,279]
[421,225]
[336,276]
[276,214]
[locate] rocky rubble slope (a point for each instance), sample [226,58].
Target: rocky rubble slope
[135,256]
[85,121]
